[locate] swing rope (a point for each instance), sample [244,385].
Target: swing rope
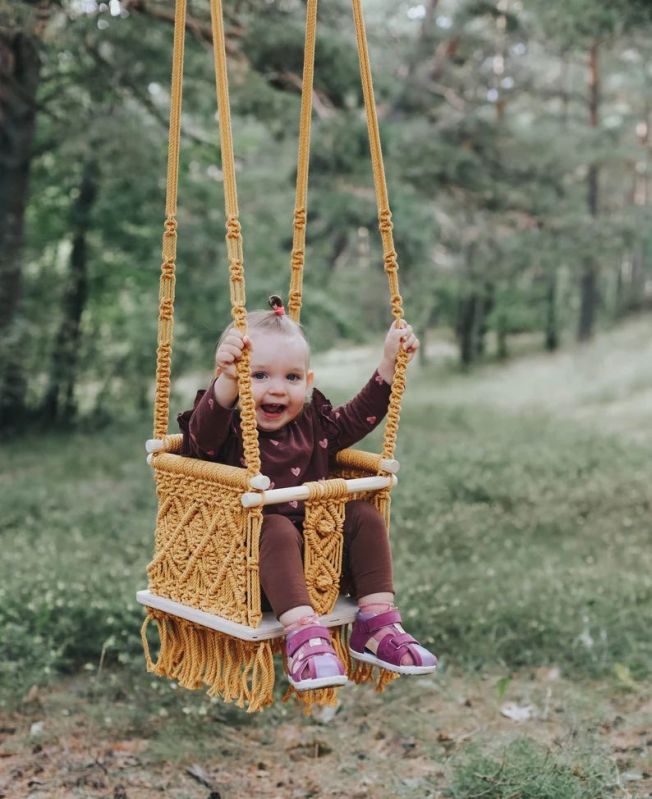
[390,258]
[234,241]
[169,246]
[297,259]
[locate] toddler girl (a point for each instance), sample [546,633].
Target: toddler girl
[299,433]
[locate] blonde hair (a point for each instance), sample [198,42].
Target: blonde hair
[271,322]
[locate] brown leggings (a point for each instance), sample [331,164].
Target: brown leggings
[367,567]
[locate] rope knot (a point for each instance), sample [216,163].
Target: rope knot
[390,260]
[326,527]
[170,226]
[166,309]
[296,259]
[323,582]
[385,221]
[233,228]
[294,299]
[167,269]
[300,218]
[236,270]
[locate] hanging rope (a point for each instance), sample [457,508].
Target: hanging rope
[233,229]
[169,247]
[297,259]
[234,242]
[385,226]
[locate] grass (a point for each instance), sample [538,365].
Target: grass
[521,539]
[527,770]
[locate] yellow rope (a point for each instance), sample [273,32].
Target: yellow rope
[169,247]
[385,227]
[297,257]
[234,241]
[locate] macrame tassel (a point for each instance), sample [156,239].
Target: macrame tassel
[364,672]
[237,671]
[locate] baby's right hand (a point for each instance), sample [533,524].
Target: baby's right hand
[229,353]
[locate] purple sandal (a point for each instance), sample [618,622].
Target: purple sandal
[391,648]
[318,659]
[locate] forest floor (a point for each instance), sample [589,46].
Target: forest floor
[76,739]
[529,571]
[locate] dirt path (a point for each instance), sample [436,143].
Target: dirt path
[63,743]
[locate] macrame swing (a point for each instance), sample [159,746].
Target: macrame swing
[204,590]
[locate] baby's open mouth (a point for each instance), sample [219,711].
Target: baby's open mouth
[272,409]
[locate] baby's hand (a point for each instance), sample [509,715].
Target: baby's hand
[397,338]
[229,353]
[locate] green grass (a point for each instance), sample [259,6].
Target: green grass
[527,770]
[520,538]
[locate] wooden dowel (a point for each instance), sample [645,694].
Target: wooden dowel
[251,500]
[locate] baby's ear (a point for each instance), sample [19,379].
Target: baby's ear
[310,379]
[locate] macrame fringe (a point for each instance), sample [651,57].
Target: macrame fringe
[241,671]
[237,671]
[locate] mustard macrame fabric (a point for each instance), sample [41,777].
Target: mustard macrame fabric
[206,543]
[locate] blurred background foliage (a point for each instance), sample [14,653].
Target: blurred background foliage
[516,136]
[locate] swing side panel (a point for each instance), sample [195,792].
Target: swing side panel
[202,554]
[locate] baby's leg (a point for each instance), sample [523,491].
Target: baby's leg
[312,662]
[281,567]
[370,561]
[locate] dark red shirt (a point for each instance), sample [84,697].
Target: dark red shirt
[300,451]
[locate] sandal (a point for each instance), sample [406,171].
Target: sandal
[391,648]
[311,659]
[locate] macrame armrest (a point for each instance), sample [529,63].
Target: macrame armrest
[231,476]
[365,461]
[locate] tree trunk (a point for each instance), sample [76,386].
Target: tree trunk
[552,332]
[19,78]
[588,280]
[466,327]
[59,403]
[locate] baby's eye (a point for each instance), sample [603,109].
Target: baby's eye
[258,375]
[293,377]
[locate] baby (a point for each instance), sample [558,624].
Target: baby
[300,432]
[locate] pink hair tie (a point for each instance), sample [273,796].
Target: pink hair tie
[276,304]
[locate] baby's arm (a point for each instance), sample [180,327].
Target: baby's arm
[228,354]
[400,335]
[207,426]
[351,422]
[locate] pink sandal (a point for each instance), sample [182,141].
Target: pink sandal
[391,648]
[311,659]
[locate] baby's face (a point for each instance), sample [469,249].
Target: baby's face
[280,377]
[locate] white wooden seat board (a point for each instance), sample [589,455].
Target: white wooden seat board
[270,627]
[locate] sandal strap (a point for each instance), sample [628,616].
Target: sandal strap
[300,637]
[297,665]
[375,623]
[393,647]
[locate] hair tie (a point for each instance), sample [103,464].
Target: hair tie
[276,304]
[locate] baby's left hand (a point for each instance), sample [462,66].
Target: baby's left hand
[396,339]
[400,338]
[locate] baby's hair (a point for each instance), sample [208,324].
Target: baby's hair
[274,321]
